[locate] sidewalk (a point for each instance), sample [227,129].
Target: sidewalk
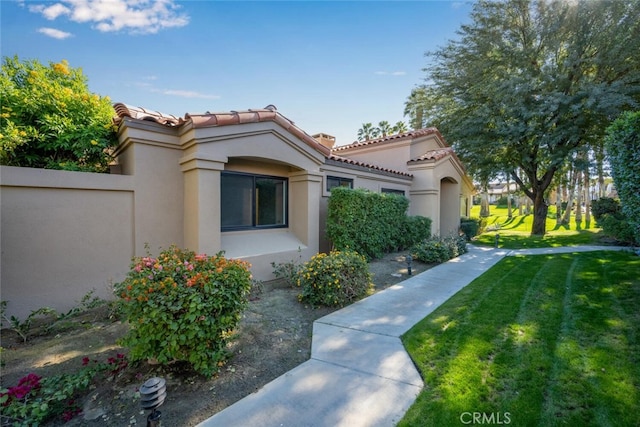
[359,373]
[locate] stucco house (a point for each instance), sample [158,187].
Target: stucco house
[255,185]
[249,183]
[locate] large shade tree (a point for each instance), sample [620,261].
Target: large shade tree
[528,83]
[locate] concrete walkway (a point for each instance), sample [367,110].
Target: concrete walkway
[359,373]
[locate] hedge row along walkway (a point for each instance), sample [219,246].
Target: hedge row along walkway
[359,373]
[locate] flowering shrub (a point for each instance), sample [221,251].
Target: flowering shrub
[36,399]
[438,250]
[334,279]
[182,307]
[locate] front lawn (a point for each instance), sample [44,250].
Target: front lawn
[515,232]
[535,341]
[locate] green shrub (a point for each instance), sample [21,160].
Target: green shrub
[438,250]
[183,307]
[619,229]
[605,206]
[372,224]
[414,229]
[622,142]
[35,400]
[335,279]
[49,119]
[471,227]
[288,271]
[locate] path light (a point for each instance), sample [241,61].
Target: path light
[497,239]
[409,260]
[152,394]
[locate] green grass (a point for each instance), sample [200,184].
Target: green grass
[515,232]
[540,340]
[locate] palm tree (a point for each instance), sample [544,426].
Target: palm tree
[385,128]
[415,107]
[399,127]
[365,132]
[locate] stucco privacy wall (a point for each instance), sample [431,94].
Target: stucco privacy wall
[62,234]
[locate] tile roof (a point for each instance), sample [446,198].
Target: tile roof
[366,165]
[438,154]
[397,137]
[139,113]
[269,113]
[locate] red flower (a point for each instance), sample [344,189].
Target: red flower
[85,361]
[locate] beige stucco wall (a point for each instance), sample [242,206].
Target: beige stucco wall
[392,155]
[62,234]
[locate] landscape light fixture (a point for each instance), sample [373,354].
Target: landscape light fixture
[152,394]
[497,239]
[409,260]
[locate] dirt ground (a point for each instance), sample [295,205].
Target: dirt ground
[273,337]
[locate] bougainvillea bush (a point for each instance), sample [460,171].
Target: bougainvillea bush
[183,307]
[335,279]
[35,399]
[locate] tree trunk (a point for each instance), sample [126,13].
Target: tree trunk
[484,204]
[509,212]
[579,199]
[521,203]
[559,205]
[566,219]
[587,200]
[540,210]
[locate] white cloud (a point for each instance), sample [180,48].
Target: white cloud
[134,16]
[392,73]
[185,93]
[56,34]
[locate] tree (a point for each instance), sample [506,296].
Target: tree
[384,128]
[530,82]
[50,119]
[399,127]
[365,132]
[623,148]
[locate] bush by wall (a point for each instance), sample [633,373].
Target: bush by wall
[439,250]
[182,307]
[50,119]
[335,279]
[619,229]
[372,224]
[622,142]
[605,206]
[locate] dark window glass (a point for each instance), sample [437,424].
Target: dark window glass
[252,201]
[392,191]
[335,181]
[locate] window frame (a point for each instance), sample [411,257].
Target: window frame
[340,179]
[253,225]
[393,191]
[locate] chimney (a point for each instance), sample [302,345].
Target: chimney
[325,139]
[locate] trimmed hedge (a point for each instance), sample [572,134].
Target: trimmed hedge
[622,142]
[372,224]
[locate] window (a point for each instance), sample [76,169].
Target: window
[336,181]
[393,191]
[252,201]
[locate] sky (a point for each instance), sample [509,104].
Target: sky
[328,66]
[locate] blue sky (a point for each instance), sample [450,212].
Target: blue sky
[329,66]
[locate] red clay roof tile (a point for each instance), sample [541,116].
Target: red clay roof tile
[208,119]
[397,137]
[366,165]
[434,154]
